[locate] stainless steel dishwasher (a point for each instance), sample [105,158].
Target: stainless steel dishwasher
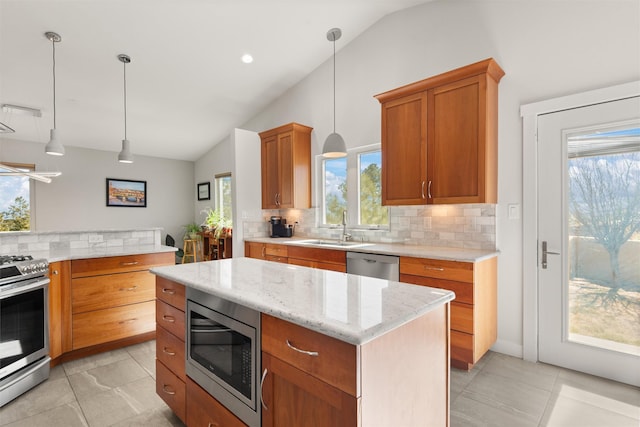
[374,265]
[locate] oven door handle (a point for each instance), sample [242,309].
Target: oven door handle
[39,283]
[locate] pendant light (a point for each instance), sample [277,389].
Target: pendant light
[334,145]
[54,147]
[125,155]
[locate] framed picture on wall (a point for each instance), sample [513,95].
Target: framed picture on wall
[204,191]
[126,193]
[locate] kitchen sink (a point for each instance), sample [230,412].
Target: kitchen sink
[333,243]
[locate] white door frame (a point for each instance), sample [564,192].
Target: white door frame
[530,113]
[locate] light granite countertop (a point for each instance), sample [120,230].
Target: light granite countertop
[54,255]
[351,308]
[398,249]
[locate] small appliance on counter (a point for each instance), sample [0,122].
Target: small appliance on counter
[279,227]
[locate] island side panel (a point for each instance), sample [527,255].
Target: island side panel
[405,374]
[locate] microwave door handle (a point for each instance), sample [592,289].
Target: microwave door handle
[209,330]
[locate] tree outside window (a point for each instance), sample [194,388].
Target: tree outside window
[353,183]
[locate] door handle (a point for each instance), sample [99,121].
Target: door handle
[545,252]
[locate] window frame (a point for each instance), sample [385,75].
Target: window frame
[30,167]
[217,194]
[353,188]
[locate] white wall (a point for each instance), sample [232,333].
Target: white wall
[246,181]
[547,49]
[77,199]
[216,161]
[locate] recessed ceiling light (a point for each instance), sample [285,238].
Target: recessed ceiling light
[247,59]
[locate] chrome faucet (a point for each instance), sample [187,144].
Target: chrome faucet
[345,236]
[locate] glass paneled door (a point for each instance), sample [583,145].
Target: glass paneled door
[589,239]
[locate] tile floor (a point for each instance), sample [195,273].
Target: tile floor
[117,389]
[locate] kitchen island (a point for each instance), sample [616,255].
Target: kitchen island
[383,345]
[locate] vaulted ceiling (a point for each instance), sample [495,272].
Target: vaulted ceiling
[186,84]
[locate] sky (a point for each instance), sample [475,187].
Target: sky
[10,188]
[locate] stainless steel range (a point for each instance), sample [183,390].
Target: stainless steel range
[24,325]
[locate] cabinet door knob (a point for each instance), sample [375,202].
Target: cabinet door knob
[56,272]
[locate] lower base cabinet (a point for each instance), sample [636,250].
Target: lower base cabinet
[294,398]
[204,410]
[172,390]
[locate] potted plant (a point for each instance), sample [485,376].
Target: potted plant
[218,224]
[191,231]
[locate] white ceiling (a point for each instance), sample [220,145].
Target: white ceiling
[186,85]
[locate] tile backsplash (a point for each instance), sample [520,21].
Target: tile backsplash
[470,226]
[25,243]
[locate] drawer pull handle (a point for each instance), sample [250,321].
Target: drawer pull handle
[169,319]
[127,321]
[133,288]
[310,353]
[168,291]
[130,263]
[166,351]
[264,375]
[426,267]
[213,425]
[167,389]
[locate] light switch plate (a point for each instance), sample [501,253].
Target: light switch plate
[514,211]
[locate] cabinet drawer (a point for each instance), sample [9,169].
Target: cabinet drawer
[119,264]
[112,290]
[335,362]
[204,410]
[170,292]
[438,269]
[170,318]
[319,264]
[172,390]
[170,351]
[462,347]
[463,290]
[319,254]
[275,258]
[111,324]
[275,250]
[462,317]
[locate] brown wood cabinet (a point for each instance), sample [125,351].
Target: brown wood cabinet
[204,410]
[333,383]
[326,259]
[439,138]
[473,312]
[266,251]
[170,346]
[59,309]
[286,167]
[112,298]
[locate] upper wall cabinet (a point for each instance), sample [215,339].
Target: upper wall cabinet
[286,167]
[440,138]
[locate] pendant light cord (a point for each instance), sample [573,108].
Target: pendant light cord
[54,81]
[334,84]
[124,64]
